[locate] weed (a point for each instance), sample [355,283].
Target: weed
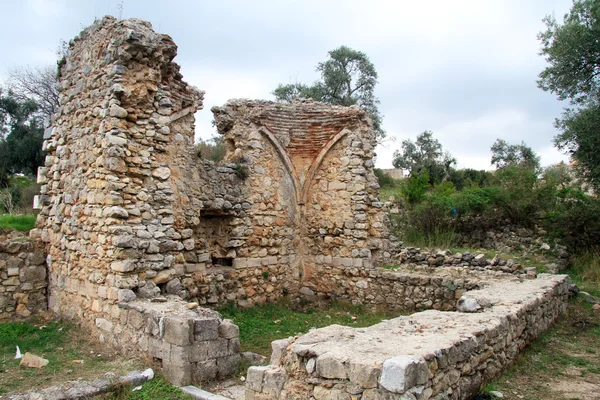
[17,222]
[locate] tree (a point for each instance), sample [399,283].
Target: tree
[347,78]
[37,84]
[505,154]
[572,50]
[424,154]
[21,135]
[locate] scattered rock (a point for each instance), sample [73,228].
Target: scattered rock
[468,305]
[33,361]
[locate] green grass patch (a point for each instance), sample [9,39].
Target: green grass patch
[586,265]
[260,325]
[17,222]
[157,388]
[60,343]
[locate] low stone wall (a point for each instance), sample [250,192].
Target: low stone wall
[399,290]
[22,277]
[444,258]
[194,345]
[428,355]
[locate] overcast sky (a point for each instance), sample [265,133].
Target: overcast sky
[465,70]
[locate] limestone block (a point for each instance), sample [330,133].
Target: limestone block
[364,375]
[33,274]
[227,366]
[161,173]
[126,295]
[228,330]
[204,371]
[177,331]
[273,382]
[331,367]
[206,329]
[401,373]
[118,112]
[278,348]
[255,377]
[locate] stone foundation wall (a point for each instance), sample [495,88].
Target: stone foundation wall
[388,289]
[428,355]
[23,282]
[193,345]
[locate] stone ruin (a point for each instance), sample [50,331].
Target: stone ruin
[138,231]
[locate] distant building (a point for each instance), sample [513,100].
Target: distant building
[396,173]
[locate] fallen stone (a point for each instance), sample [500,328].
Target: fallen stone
[588,298]
[596,308]
[468,305]
[254,358]
[33,361]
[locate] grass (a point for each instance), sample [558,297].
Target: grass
[60,343]
[439,238]
[157,388]
[586,266]
[261,325]
[17,222]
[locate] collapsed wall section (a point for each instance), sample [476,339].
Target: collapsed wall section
[23,282]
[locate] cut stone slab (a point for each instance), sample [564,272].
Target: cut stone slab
[200,394]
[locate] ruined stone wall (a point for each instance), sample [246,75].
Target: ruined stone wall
[23,280]
[129,212]
[118,192]
[311,192]
[399,291]
[429,355]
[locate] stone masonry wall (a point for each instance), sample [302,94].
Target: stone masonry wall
[120,195]
[310,189]
[129,212]
[429,355]
[22,277]
[193,345]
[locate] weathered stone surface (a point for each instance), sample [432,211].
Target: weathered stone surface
[426,355]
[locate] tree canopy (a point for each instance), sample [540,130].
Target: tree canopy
[425,154]
[572,50]
[505,154]
[347,78]
[21,135]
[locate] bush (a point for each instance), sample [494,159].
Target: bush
[575,220]
[213,149]
[415,188]
[385,181]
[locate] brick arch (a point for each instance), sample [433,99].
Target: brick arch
[285,160]
[316,164]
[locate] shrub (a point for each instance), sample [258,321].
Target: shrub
[385,181]
[415,188]
[213,149]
